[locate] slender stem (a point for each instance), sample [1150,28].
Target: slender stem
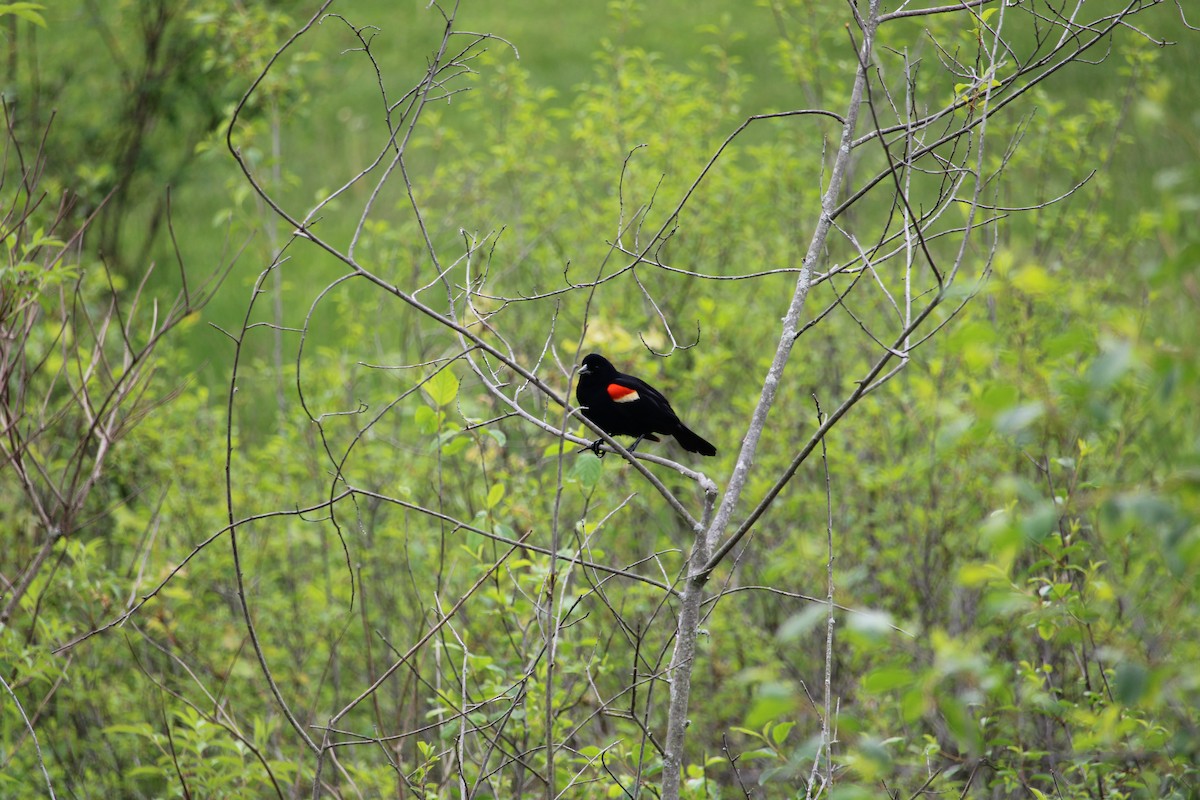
[826,722]
[33,734]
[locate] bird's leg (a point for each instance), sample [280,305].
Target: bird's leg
[595,448]
[636,442]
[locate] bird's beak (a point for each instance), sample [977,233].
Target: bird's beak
[583,370]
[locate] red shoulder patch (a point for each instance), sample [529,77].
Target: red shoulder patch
[621,394]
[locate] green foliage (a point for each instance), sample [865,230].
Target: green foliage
[30,12]
[1016,515]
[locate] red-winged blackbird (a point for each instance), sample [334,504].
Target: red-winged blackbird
[622,405]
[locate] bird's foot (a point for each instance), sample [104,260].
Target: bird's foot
[596,448]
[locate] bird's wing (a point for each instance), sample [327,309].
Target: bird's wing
[625,388]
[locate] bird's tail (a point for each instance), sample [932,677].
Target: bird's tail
[692,442]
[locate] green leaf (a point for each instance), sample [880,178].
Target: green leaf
[1131,682]
[762,752]
[912,704]
[887,678]
[800,624]
[1072,341]
[746,732]
[958,719]
[997,395]
[139,729]
[1110,365]
[454,444]
[772,701]
[975,574]
[871,623]
[495,495]
[26,11]
[1018,418]
[442,388]
[426,419]
[587,471]
[1040,522]
[1033,280]
[1177,266]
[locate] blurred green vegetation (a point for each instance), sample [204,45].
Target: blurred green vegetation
[1015,514]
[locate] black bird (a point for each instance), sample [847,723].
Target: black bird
[622,405]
